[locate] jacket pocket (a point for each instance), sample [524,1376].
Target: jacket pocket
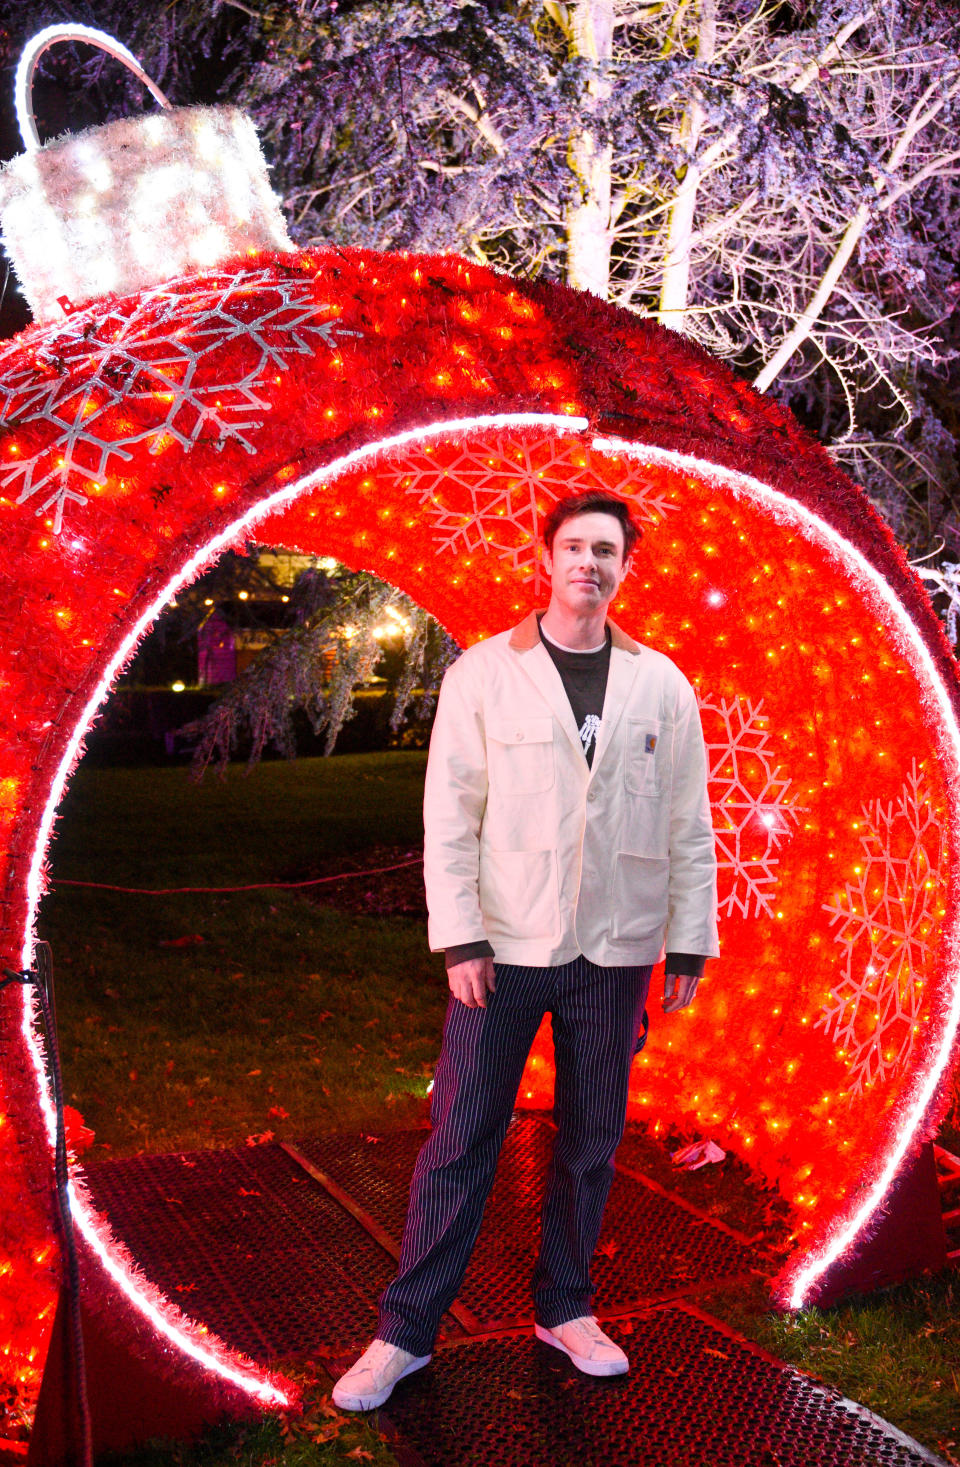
[519,894]
[520,755]
[640,898]
[646,756]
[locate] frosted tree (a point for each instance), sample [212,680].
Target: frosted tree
[795,209]
[777,178]
[345,623]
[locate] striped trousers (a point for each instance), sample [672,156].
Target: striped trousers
[596,1014]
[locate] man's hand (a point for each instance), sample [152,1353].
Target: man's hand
[679,990]
[471,981]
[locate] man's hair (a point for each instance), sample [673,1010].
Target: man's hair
[594,501]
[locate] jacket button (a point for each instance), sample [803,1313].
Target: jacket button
[591,794]
[519,735]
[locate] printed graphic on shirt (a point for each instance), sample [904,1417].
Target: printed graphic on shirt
[588,731]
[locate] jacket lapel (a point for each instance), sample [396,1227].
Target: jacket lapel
[536,661]
[538,665]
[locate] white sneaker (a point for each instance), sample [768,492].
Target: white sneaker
[370,1381]
[589,1348]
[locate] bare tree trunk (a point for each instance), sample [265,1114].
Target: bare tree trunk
[590,34]
[676,270]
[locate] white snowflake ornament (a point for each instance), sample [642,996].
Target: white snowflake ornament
[490,497]
[886,923]
[150,350]
[751,802]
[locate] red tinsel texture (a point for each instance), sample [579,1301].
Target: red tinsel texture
[147,425]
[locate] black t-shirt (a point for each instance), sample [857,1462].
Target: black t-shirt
[584,677]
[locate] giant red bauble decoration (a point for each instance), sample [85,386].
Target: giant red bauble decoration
[416,416]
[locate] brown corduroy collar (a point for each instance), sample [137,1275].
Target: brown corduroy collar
[527,635]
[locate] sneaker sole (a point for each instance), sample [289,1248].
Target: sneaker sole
[376,1398]
[589,1367]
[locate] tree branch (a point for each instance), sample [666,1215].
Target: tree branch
[918,119]
[937,167]
[676,273]
[814,309]
[479,119]
[831,52]
[588,215]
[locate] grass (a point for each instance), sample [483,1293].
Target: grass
[197,1019]
[896,1351]
[286,1017]
[200,1019]
[319,1437]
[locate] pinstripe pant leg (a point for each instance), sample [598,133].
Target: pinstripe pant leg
[475,1086]
[596,1016]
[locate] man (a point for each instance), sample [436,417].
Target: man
[568,836]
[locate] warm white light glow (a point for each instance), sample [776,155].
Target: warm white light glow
[96,166]
[262,1390]
[134,202]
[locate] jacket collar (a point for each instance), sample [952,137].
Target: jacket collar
[539,666]
[527,636]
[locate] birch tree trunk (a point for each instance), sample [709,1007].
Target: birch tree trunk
[590,35]
[676,269]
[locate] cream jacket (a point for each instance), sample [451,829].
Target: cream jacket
[547,858]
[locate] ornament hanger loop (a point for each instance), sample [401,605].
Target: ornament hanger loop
[42,41]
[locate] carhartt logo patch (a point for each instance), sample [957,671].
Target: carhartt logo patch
[649,743]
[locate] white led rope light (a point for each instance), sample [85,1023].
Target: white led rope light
[925,669]
[42,41]
[188,572]
[261,1389]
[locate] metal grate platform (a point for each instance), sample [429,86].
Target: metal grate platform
[286,1258]
[651,1246]
[695,1397]
[245,1242]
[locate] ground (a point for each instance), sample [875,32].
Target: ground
[202,1017]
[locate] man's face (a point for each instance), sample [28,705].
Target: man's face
[586,565]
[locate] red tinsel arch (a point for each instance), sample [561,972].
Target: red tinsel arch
[414,416]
